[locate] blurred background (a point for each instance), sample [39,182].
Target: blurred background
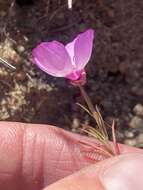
[115,71]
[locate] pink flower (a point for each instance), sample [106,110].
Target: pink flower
[65,61]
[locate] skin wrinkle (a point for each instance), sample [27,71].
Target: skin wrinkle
[61,148]
[27,142]
[49,157]
[28,165]
[58,160]
[33,155]
[5,174]
[36,171]
[42,164]
[22,150]
[38,168]
[72,147]
[11,137]
[52,159]
[23,156]
[73,157]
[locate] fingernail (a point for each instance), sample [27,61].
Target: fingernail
[124,174]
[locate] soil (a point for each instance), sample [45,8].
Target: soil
[115,71]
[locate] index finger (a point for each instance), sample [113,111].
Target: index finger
[34,156]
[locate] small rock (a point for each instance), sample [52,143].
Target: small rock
[140,139]
[136,122]
[21,76]
[138,109]
[129,134]
[76,123]
[137,90]
[20,49]
[2,13]
[130,142]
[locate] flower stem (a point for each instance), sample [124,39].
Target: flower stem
[101,133]
[87,99]
[96,114]
[116,146]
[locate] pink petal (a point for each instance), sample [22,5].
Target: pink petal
[53,58]
[83,48]
[70,49]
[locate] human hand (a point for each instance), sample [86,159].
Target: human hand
[34,156]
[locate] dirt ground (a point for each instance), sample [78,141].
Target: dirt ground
[115,71]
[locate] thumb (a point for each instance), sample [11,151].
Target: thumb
[121,172]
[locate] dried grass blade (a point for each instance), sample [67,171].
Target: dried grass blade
[116,146]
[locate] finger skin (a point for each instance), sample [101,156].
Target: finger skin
[115,173]
[34,156]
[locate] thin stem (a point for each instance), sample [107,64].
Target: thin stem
[95,113]
[116,147]
[87,99]
[100,133]
[97,135]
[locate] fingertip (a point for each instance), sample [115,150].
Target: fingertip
[124,173]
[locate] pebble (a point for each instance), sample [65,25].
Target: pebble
[76,123]
[20,49]
[2,13]
[138,109]
[136,122]
[130,142]
[21,76]
[129,134]
[137,90]
[140,138]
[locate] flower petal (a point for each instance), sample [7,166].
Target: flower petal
[70,49]
[52,58]
[83,48]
